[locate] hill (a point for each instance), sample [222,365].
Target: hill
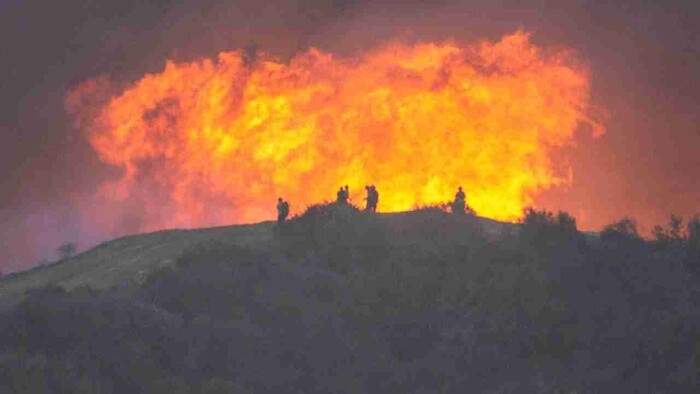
[339,300]
[129,260]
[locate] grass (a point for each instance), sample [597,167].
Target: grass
[128,260]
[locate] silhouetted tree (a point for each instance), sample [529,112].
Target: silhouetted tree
[660,235]
[545,226]
[693,244]
[67,250]
[675,234]
[693,232]
[623,230]
[535,218]
[566,222]
[675,228]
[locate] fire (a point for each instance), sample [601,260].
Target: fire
[217,141]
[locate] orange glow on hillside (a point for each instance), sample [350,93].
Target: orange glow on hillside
[217,141]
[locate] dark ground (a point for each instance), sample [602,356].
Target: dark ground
[342,301]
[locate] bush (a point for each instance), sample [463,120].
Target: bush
[562,222]
[672,235]
[67,250]
[214,277]
[88,341]
[624,230]
[543,229]
[693,233]
[342,236]
[437,207]
[676,235]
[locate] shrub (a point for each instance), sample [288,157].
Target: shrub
[545,228]
[693,232]
[338,233]
[566,222]
[437,207]
[672,235]
[214,277]
[535,218]
[67,250]
[624,230]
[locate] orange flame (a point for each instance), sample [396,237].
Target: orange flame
[213,142]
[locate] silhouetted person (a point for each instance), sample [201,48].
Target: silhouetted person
[460,194]
[368,199]
[460,201]
[372,198]
[282,210]
[343,195]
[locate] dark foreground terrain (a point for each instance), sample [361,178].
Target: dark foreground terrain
[339,301]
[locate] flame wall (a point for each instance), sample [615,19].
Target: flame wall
[217,141]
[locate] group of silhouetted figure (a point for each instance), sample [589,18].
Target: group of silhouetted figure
[458,206]
[372,198]
[371,201]
[343,195]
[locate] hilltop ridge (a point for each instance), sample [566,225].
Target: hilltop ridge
[129,259]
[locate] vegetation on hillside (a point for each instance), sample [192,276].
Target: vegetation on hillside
[352,302]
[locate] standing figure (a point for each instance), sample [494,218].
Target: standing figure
[368,199]
[282,210]
[460,202]
[343,195]
[375,198]
[339,195]
[372,198]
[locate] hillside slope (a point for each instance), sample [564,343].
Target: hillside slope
[129,260]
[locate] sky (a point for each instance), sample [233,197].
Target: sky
[643,57]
